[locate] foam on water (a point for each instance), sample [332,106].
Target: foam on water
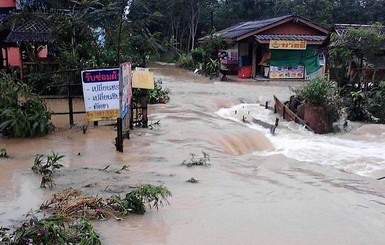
[361,156]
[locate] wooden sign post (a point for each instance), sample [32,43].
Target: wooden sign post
[125,96]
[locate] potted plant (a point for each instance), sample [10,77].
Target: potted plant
[322,104]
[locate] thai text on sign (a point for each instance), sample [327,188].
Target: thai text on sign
[101,94]
[142,79]
[282,44]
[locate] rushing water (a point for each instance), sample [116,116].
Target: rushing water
[258,188]
[344,150]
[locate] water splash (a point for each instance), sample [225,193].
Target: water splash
[362,155]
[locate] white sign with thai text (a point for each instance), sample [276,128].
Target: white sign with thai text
[101,94]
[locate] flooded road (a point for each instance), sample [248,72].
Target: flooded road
[291,188]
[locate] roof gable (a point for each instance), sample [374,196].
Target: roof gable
[250,28]
[33,30]
[343,29]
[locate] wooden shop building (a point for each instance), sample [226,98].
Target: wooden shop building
[285,47]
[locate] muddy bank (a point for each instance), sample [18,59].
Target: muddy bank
[241,197]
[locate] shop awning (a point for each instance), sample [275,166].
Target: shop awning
[310,39]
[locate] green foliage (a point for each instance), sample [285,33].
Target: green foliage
[377,102]
[194,161]
[198,55]
[211,67]
[186,61]
[71,203]
[357,106]
[71,225]
[360,49]
[3,152]
[322,93]
[47,169]
[52,230]
[22,113]
[211,46]
[205,57]
[159,94]
[154,196]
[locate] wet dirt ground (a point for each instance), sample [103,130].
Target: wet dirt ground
[240,198]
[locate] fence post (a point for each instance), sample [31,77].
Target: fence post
[70,105]
[119,138]
[144,103]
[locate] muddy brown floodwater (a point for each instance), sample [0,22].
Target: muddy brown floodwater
[241,197]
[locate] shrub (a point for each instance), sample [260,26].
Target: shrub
[22,113]
[159,94]
[377,102]
[186,61]
[198,55]
[211,67]
[322,93]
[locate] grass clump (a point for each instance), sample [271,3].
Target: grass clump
[47,168]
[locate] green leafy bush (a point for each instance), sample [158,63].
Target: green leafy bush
[22,113]
[320,92]
[154,196]
[211,68]
[159,94]
[186,61]
[377,102]
[198,55]
[47,169]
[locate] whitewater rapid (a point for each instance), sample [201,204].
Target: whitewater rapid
[352,151]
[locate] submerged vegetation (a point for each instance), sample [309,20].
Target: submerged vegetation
[3,152]
[159,94]
[47,168]
[194,161]
[73,211]
[71,203]
[51,230]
